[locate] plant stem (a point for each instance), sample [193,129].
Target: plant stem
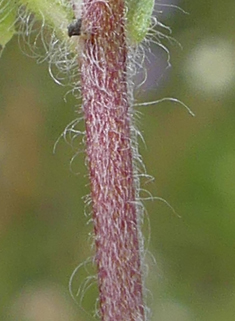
[106,106]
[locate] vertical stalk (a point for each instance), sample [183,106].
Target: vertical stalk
[109,153]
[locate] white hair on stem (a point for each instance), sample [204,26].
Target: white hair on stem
[40,41]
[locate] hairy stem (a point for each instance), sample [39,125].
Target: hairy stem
[109,153]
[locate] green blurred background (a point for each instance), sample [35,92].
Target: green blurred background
[44,233]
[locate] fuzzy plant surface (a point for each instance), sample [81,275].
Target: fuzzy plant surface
[100,55]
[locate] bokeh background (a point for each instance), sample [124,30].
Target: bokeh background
[44,233]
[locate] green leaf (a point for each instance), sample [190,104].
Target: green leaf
[7,20]
[138,18]
[57,13]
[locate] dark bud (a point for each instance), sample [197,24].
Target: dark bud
[74,29]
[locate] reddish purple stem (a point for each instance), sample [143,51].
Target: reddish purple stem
[110,160]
